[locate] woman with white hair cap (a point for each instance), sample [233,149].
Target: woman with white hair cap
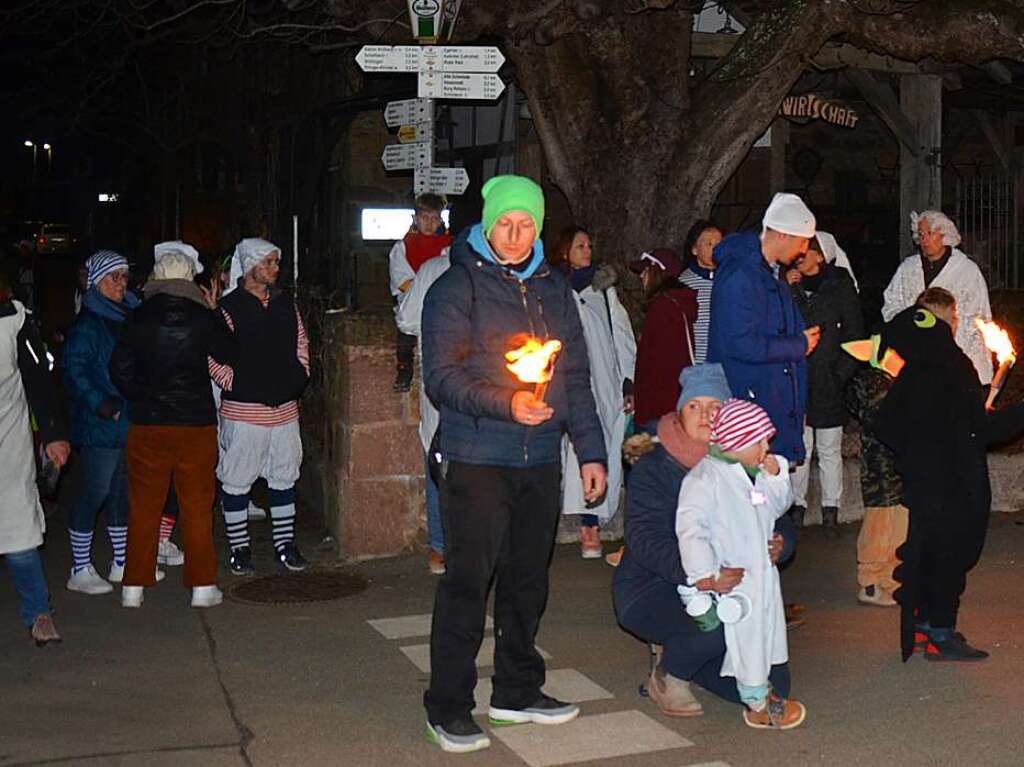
[161,365]
[941,264]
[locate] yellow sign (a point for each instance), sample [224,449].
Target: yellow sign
[416,132]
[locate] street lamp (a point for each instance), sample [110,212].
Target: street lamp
[49,158]
[35,152]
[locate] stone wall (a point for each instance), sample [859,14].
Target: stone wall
[372,470]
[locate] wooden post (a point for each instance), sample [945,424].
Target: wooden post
[920,175]
[780,137]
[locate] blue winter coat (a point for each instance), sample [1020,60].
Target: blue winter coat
[471,317]
[85,362]
[757,334]
[652,558]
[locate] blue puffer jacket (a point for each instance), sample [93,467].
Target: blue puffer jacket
[757,334]
[86,359]
[471,317]
[651,559]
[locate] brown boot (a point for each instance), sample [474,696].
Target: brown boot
[672,695]
[44,630]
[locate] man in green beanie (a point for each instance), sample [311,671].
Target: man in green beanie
[499,450]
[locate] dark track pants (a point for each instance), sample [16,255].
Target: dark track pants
[499,525]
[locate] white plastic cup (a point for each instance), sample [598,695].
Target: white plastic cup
[699,604]
[734,607]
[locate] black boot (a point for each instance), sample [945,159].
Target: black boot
[796,513]
[830,521]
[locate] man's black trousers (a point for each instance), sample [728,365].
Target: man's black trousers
[499,526]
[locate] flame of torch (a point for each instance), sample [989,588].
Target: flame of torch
[534,362]
[998,342]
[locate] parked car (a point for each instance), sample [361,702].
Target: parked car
[54,239]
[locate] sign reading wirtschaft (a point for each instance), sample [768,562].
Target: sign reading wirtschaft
[809,107]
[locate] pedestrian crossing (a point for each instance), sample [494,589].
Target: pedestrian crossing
[589,738]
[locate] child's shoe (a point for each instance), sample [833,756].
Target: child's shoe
[778,714]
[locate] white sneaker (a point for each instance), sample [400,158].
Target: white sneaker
[255,512]
[169,554]
[131,596]
[88,581]
[206,596]
[116,574]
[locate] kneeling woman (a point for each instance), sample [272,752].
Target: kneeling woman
[644,587]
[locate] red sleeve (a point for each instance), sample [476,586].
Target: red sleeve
[661,354]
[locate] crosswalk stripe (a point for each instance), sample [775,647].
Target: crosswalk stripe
[419,654]
[562,683]
[602,736]
[408,626]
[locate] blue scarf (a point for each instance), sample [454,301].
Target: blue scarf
[480,244]
[96,302]
[581,278]
[700,271]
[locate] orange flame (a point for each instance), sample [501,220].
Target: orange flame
[997,341]
[531,362]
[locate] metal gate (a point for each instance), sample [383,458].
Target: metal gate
[986,207]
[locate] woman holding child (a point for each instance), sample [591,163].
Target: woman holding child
[647,602]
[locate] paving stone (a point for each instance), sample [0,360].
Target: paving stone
[419,654]
[407,626]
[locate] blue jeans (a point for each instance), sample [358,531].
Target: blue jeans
[435,530]
[102,486]
[26,569]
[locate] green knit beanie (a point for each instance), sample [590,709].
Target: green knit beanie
[505,193]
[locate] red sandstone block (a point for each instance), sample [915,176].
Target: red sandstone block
[384,450]
[370,399]
[379,517]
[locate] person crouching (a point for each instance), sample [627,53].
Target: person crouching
[161,366]
[726,515]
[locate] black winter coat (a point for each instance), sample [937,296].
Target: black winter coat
[160,363]
[835,308]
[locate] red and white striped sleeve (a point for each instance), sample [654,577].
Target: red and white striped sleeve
[303,345]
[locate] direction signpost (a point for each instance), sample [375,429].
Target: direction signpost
[440,180]
[463,72]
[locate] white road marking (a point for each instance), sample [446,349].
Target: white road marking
[419,654]
[602,736]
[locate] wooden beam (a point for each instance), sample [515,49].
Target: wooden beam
[882,100]
[1002,152]
[921,173]
[709,45]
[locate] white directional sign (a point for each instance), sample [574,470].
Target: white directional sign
[459,85]
[440,180]
[408,111]
[440,58]
[404,156]
[389,58]
[461,58]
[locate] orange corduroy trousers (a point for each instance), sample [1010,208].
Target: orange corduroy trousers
[156,456]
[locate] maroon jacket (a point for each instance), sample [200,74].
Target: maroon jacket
[663,352]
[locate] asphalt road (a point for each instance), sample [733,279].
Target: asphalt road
[316,684]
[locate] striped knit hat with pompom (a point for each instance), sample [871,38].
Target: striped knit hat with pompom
[101,263]
[740,424]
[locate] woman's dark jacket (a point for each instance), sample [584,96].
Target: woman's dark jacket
[652,558]
[835,308]
[663,350]
[161,361]
[472,315]
[84,365]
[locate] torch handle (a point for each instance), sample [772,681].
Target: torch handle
[540,390]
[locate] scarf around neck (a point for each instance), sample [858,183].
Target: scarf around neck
[686,450]
[581,278]
[523,271]
[99,304]
[716,452]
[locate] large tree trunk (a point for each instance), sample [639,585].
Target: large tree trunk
[638,154]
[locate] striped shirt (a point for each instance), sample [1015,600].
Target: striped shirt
[702,280]
[254,412]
